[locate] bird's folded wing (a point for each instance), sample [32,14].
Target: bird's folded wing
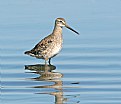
[42,45]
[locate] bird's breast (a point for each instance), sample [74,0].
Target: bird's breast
[56,48]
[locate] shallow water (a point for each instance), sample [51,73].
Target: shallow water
[87,70]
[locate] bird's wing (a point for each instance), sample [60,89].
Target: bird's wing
[42,45]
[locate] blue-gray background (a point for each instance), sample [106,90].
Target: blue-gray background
[92,59]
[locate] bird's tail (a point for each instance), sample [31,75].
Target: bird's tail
[30,53]
[27,52]
[33,54]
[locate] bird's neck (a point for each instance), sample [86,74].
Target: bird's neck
[57,30]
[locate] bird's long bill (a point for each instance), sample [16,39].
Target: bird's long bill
[71,29]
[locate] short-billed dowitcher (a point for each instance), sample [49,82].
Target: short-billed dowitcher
[51,45]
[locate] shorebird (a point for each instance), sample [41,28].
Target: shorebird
[51,45]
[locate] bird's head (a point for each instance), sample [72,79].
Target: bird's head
[62,23]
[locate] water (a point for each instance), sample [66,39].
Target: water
[88,69]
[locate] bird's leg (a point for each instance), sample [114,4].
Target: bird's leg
[45,62]
[49,61]
[46,66]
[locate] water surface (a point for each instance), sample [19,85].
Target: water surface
[87,70]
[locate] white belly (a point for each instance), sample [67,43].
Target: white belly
[55,50]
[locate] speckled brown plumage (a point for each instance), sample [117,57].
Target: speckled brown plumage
[51,45]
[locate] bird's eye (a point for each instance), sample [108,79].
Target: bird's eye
[60,21]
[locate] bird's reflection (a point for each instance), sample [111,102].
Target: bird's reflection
[46,74]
